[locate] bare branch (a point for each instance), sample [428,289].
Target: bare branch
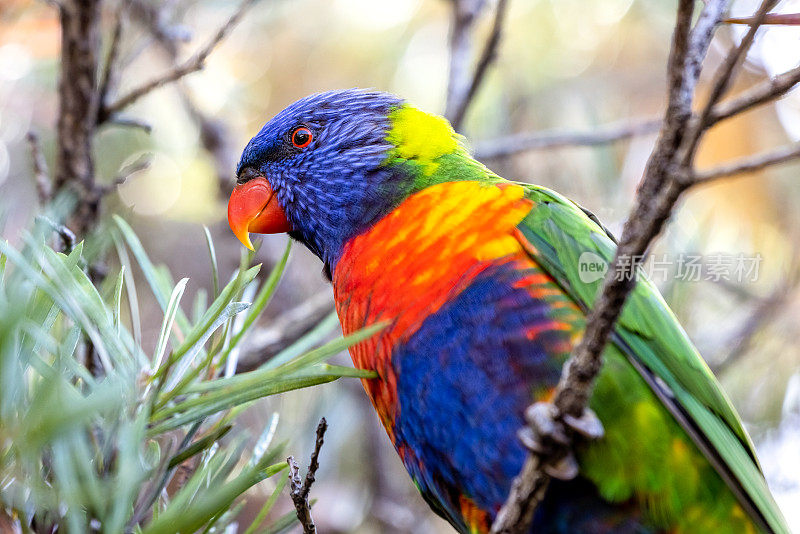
[527,491]
[301,488]
[490,48]
[656,197]
[488,55]
[465,13]
[141,163]
[720,84]
[193,64]
[759,94]
[785,19]
[677,57]
[154,18]
[762,93]
[78,102]
[68,238]
[314,464]
[548,139]
[748,164]
[44,185]
[110,69]
[724,75]
[668,174]
[130,122]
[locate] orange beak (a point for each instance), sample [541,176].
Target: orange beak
[254,208]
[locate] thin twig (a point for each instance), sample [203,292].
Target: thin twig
[110,68]
[301,488]
[193,64]
[130,122]
[549,139]
[68,238]
[44,184]
[755,96]
[784,19]
[722,81]
[141,163]
[465,13]
[155,18]
[748,164]
[314,463]
[761,93]
[488,55]
[724,76]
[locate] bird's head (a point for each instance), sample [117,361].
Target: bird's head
[332,164]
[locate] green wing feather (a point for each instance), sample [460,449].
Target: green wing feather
[648,333]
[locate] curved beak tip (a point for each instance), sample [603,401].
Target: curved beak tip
[244,237]
[252,208]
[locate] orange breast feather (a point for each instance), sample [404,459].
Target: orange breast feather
[417,258]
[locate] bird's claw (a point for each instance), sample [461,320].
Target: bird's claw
[564,469]
[551,437]
[587,425]
[545,431]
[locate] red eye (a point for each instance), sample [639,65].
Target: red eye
[301,137]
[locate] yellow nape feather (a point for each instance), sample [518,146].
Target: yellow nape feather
[421,137]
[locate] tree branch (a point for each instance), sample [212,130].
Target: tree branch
[68,238]
[154,19]
[655,199]
[44,185]
[784,19]
[130,122]
[465,12]
[110,69]
[762,93]
[522,142]
[301,488]
[759,94]
[213,132]
[748,164]
[657,195]
[669,172]
[193,64]
[720,84]
[461,89]
[78,104]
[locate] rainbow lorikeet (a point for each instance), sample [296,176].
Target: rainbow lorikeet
[479,279]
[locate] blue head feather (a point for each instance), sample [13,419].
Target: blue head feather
[337,186]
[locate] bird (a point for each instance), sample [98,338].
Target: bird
[478,280]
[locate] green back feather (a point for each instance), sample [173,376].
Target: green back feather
[648,333]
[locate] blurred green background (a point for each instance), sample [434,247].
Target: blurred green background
[562,64]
